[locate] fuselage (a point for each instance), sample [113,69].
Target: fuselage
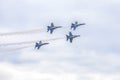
[79,24]
[55,27]
[74,36]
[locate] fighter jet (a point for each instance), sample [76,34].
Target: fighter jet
[70,37]
[74,26]
[39,44]
[52,27]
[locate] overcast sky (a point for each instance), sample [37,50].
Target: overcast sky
[93,56]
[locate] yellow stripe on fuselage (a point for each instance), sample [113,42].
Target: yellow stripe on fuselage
[72,37]
[54,27]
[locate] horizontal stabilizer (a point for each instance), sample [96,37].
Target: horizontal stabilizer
[67,37]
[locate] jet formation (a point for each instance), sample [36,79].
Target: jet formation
[69,37]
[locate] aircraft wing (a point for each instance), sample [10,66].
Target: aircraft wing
[74,28]
[38,47]
[51,31]
[71,39]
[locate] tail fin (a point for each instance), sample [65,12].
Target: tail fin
[36,45]
[48,28]
[72,25]
[67,37]
[52,25]
[76,22]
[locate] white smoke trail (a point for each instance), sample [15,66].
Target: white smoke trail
[29,42]
[16,49]
[22,32]
[24,47]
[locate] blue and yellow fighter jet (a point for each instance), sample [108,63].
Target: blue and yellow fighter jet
[70,37]
[52,27]
[74,26]
[39,44]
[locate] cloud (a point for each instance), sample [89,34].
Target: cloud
[13,72]
[93,56]
[48,70]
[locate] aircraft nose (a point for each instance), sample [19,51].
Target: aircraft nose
[78,36]
[59,26]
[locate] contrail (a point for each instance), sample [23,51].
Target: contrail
[16,49]
[22,32]
[29,42]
